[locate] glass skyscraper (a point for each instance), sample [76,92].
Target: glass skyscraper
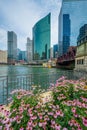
[55,51]
[41,38]
[12,46]
[66,32]
[77,15]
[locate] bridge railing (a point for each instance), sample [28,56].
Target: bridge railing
[14,82]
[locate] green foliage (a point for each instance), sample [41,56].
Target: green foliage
[71,91]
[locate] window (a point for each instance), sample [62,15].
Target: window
[80,61]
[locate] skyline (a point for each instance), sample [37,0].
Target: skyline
[20,17]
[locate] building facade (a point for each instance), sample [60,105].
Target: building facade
[55,51]
[21,55]
[78,17]
[81,55]
[3,56]
[41,38]
[12,47]
[66,32]
[51,52]
[29,50]
[18,54]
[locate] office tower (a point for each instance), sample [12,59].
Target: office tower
[66,32]
[51,52]
[23,55]
[29,50]
[41,38]
[55,51]
[18,54]
[12,47]
[77,11]
[81,54]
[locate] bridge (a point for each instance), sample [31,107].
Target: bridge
[68,58]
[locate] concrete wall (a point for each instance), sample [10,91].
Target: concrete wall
[81,58]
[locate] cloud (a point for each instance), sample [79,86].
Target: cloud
[3,39]
[21,15]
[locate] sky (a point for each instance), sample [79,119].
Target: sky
[21,15]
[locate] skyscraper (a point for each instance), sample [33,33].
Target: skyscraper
[55,51]
[12,46]
[29,50]
[41,38]
[66,32]
[77,11]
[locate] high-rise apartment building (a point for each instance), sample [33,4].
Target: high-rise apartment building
[12,47]
[76,11]
[29,50]
[41,38]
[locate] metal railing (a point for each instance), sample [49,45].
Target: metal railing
[10,83]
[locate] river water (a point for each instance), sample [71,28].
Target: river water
[23,77]
[24,69]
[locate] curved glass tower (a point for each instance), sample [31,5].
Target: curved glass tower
[74,11]
[41,38]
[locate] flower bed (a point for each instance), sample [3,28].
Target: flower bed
[63,107]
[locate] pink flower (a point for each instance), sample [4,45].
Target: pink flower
[73,109]
[18,121]
[65,129]
[33,118]
[22,128]
[52,122]
[76,115]
[84,121]
[31,115]
[50,113]
[18,97]
[5,121]
[12,119]
[40,124]
[55,116]
[83,105]
[58,112]
[34,124]
[46,118]
[79,128]
[30,123]
[0,127]
[57,127]
[29,128]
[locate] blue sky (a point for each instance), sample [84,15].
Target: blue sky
[21,15]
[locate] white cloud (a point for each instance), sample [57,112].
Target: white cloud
[3,39]
[21,15]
